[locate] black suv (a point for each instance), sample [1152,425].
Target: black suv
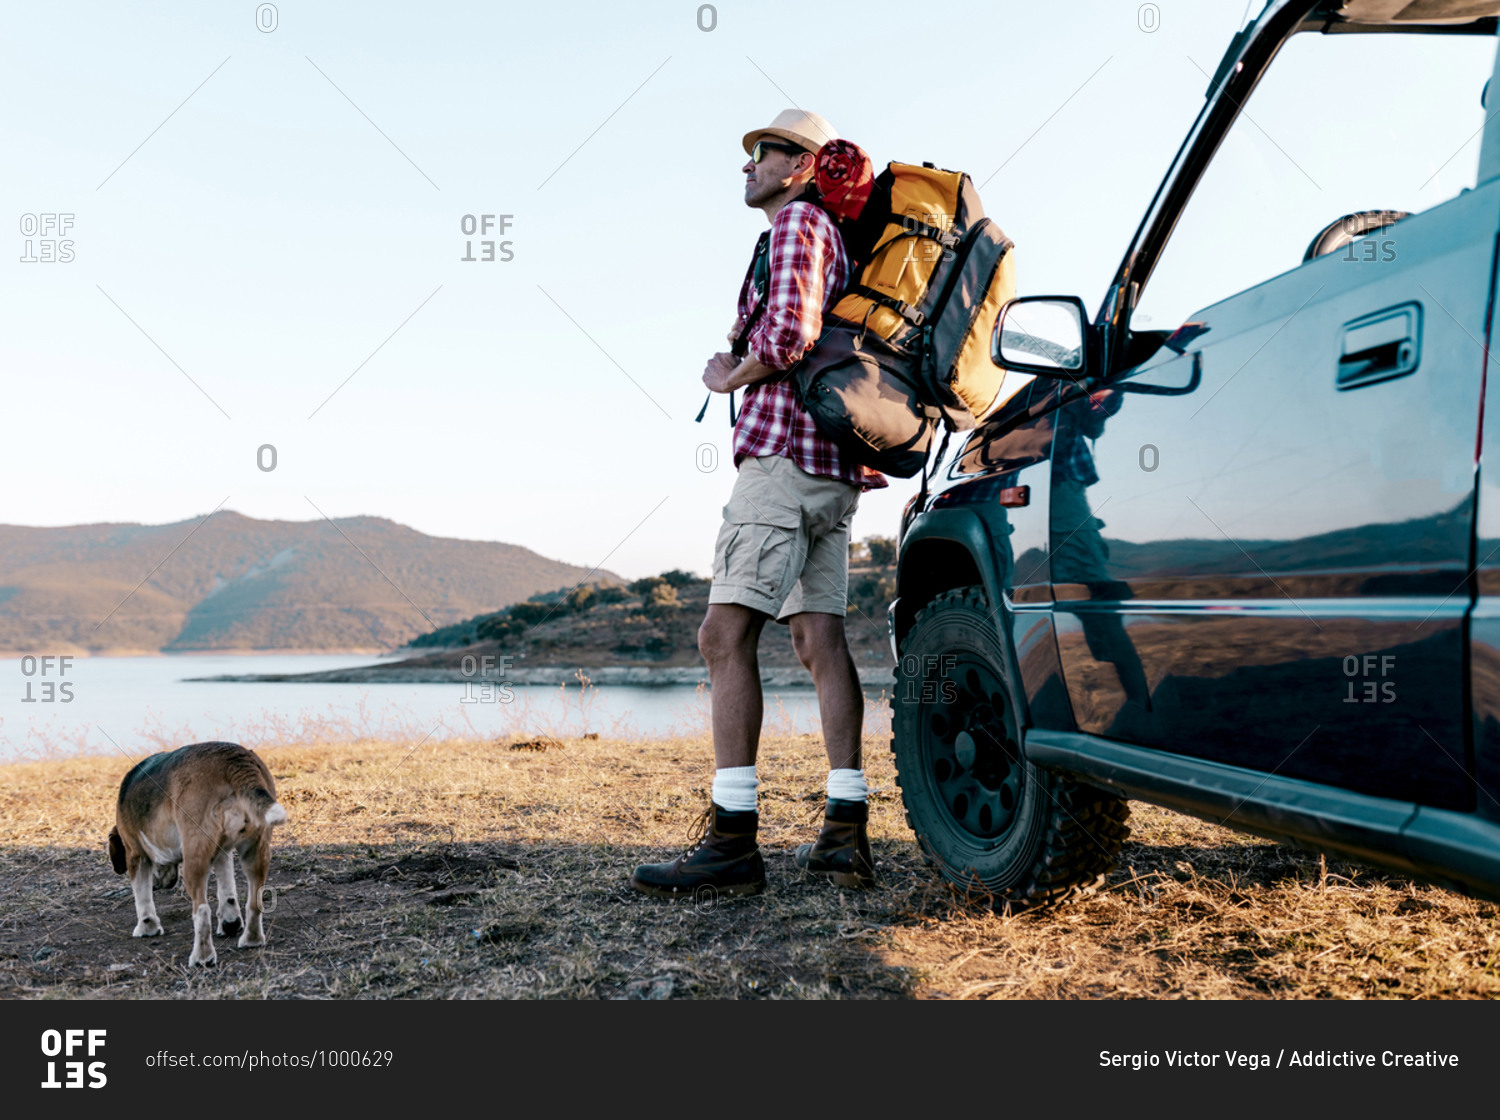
[1240,559]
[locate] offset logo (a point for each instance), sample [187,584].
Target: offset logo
[47,238]
[48,692]
[490,691]
[471,224]
[1363,670]
[67,1044]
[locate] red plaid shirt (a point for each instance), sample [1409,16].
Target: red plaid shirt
[809,268]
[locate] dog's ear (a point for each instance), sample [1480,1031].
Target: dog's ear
[116,851]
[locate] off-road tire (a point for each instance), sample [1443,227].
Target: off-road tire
[986,819]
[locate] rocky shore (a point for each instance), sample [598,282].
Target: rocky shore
[876,676]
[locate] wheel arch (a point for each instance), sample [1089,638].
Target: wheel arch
[942,550]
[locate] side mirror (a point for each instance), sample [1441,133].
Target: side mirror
[1042,335]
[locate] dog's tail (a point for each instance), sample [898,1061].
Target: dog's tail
[255,808]
[254,788]
[271,811]
[116,851]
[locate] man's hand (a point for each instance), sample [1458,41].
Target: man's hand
[717,373]
[725,373]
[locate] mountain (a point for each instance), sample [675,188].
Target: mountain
[235,583]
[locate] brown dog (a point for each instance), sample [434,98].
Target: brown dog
[197,806]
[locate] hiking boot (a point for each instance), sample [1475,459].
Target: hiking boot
[723,861]
[843,849]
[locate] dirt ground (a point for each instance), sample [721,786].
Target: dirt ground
[467,869]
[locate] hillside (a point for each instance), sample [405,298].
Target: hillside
[237,583]
[650,622]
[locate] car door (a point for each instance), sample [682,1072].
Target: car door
[1002,471]
[1260,550]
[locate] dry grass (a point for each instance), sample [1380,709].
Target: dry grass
[471,869]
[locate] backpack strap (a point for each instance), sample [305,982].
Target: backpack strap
[900,307]
[758,275]
[930,469]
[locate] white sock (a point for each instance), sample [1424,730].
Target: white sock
[734,788]
[847,785]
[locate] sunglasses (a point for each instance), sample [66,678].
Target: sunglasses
[758,152]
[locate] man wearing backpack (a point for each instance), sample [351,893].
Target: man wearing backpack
[783,549]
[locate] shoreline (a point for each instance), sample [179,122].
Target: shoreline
[79,654]
[638,675]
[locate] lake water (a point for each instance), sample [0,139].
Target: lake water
[142,704]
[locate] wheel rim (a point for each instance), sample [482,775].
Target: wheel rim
[970,747]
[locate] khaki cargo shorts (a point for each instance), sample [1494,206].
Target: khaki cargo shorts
[784,546]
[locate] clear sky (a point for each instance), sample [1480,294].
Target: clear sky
[267,234]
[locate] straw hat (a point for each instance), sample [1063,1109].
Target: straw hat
[798,126]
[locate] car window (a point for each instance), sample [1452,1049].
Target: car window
[1338,124]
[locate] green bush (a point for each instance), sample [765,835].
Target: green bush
[882,551]
[663,600]
[498,628]
[530,613]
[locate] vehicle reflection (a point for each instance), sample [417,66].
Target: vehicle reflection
[1079,552]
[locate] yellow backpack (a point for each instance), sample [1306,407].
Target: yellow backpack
[908,344]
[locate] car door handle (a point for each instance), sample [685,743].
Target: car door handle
[1380,346]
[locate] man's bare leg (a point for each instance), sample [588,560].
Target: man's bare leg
[725,859]
[823,648]
[729,639]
